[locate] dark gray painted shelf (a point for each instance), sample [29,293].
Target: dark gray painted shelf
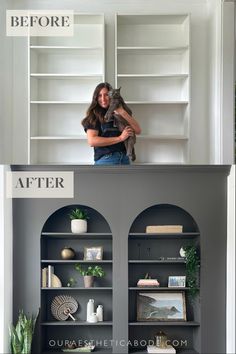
[76,323]
[166,323]
[178,351]
[144,235]
[97,350]
[160,288]
[174,261]
[72,236]
[74,288]
[74,261]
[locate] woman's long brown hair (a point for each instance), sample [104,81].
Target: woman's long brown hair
[95,112]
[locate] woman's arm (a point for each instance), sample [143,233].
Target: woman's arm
[130,119]
[95,141]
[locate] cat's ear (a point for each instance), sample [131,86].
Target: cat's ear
[119,88]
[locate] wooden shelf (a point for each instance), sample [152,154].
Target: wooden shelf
[159,102]
[163,137]
[137,261]
[73,236]
[168,49]
[157,288]
[97,350]
[60,102]
[74,261]
[178,76]
[64,76]
[76,288]
[166,323]
[148,236]
[178,351]
[76,137]
[76,323]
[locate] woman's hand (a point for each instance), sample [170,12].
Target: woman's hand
[131,120]
[120,111]
[128,131]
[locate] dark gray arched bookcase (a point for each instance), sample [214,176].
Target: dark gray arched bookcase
[158,255]
[55,236]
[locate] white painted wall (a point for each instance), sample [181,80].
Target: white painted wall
[6,78]
[231,348]
[199,131]
[221,85]
[6,267]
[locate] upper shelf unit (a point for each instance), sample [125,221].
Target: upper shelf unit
[62,75]
[153,69]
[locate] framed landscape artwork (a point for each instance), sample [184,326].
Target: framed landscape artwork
[161,306]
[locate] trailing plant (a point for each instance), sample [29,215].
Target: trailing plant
[95,271]
[22,334]
[192,267]
[78,214]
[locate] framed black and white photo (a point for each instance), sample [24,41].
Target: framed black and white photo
[161,306]
[93,253]
[177,281]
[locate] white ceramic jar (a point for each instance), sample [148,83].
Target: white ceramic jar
[78,226]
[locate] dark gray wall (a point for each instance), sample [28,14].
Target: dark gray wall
[120,194]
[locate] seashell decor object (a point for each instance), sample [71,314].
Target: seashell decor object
[63,306]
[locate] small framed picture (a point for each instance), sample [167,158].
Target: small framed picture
[93,253]
[177,281]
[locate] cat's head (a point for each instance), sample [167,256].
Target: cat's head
[114,93]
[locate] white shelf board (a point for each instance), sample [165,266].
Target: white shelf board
[158,102]
[155,48]
[51,48]
[75,137]
[181,76]
[150,18]
[163,137]
[60,102]
[64,76]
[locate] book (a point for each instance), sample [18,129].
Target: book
[167,350]
[50,272]
[148,282]
[44,277]
[152,229]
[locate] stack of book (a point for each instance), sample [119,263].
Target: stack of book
[153,349]
[147,282]
[164,229]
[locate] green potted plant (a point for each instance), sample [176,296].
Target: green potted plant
[192,267]
[78,221]
[89,273]
[22,334]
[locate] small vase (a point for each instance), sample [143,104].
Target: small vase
[67,253]
[78,226]
[88,281]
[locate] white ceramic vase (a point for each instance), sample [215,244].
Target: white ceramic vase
[78,226]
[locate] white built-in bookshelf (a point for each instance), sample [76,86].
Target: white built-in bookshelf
[62,75]
[153,70]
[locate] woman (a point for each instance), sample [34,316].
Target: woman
[107,140]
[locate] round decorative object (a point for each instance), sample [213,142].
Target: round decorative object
[63,306]
[182,252]
[67,253]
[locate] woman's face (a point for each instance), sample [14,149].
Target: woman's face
[103,98]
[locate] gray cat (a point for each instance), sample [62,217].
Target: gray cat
[117,101]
